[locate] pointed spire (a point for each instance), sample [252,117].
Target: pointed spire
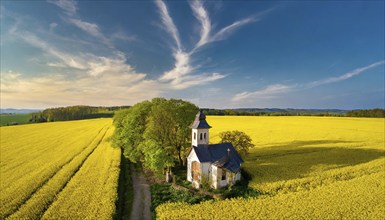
[200,121]
[202,116]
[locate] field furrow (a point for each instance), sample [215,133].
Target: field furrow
[46,148]
[92,192]
[38,202]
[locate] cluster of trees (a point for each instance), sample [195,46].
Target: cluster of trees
[73,113]
[155,133]
[369,113]
[38,118]
[239,139]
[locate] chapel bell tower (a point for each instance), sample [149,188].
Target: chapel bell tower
[200,130]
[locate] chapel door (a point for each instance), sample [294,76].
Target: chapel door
[195,170]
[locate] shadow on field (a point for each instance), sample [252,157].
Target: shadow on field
[299,158]
[125,191]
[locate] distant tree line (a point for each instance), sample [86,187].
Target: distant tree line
[87,112]
[277,112]
[74,113]
[368,113]
[371,113]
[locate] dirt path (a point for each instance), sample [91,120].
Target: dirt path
[142,196]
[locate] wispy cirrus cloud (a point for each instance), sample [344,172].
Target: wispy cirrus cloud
[182,67]
[343,77]
[65,59]
[265,93]
[120,35]
[52,26]
[90,28]
[206,35]
[196,80]
[168,23]
[226,31]
[203,17]
[183,74]
[272,91]
[69,6]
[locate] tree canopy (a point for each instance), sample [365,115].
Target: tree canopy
[240,140]
[155,133]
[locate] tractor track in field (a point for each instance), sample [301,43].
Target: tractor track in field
[75,172]
[60,168]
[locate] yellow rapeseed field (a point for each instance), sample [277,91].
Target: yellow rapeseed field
[304,167]
[39,161]
[92,192]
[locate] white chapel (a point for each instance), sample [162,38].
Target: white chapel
[217,165]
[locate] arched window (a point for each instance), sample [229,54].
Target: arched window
[205,136]
[195,136]
[201,136]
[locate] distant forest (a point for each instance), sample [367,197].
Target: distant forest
[88,112]
[74,113]
[368,113]
[371,113]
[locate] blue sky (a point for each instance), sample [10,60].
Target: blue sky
[217,54]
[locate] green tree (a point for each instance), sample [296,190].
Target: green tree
[130,125]
[240,140]
[155,133]
[184,114]
[158,136]
[168,126]
[156,157]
